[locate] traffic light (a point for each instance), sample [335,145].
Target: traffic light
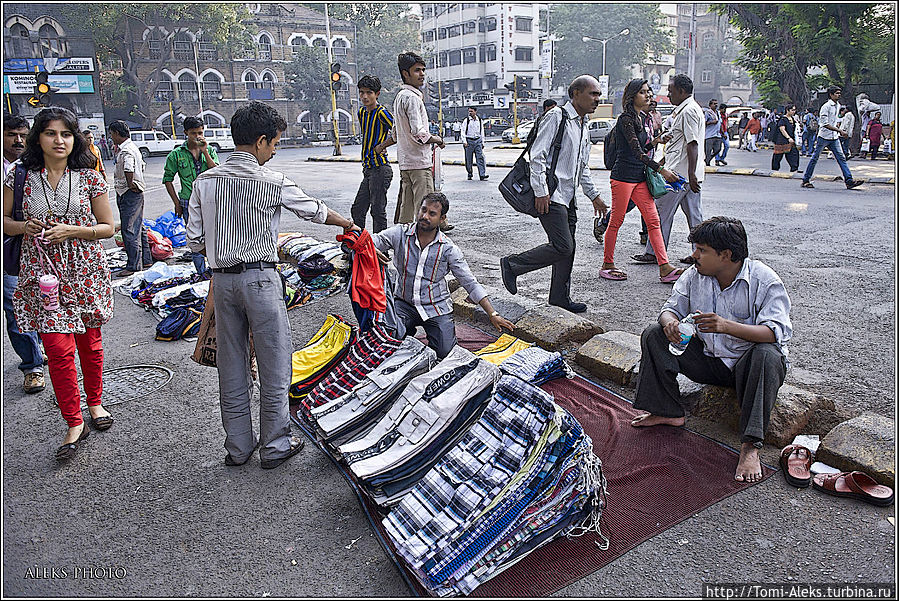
[447,88]
[42,88]
[509,86]
[335,76]
[522,88]
[433,92]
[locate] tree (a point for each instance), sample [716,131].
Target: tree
[117,30]
[307,79]
[646,37]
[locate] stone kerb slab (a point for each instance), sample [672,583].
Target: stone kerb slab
[865,443]
[612,356]
[553,328]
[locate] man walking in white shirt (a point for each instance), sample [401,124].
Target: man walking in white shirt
[829,137]
[473,141]
[413,138]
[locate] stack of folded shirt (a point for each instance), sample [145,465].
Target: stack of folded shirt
[524,474]
[348,416]
[315,360]
[422,423]
[504,347]
[536,365]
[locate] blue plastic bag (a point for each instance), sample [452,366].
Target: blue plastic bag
[172,227]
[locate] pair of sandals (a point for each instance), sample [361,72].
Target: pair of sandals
[616,274]
[67,451]
[796,463]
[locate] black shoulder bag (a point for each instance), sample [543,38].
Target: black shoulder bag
[516,186]
[12,245]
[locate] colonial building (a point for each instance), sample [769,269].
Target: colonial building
[34,39]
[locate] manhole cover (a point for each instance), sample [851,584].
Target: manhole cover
[130,382]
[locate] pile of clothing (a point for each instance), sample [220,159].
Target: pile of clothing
[312,363]
[523,475]
[320,267]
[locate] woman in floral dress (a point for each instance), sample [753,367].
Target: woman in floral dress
[66,203]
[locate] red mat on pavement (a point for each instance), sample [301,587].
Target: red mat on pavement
[656,478]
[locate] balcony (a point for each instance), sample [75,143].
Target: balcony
[208,52]
[183,51]
[264,53]
[163,96]
[261,94]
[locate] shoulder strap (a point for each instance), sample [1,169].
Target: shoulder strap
[557,145]
[18,193]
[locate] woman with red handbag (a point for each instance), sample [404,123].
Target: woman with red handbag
[64,290]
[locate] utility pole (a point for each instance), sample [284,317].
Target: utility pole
[331,87]
[196,46]
[515,138]
[691,56]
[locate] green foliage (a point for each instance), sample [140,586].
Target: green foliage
[574,57]
[115,91]
[307,79]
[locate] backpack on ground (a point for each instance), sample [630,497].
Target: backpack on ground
[610,147]
[181,322]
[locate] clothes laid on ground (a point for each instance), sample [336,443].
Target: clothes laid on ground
[537,366]
[326,349]
[504,347]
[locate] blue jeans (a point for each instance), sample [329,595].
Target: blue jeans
[26,345]
[475,147]
[725,146]
[134,234]
[808,142]
[199,260]
[837,149]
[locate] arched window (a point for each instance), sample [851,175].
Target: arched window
[187,87]
[154,43]
[212,120]
[265,47]
[320,43]
[164,91]
[212,86]
[206,49]
[339,47]
[268,81]
[19,45]
[182,47]
[297,43]
[250,80]
[49,41]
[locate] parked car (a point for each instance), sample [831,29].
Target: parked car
[599,128]
[151,142]
[524,128]
[219,138]
[494,126]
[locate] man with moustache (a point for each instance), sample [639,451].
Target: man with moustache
[743,328]
[423,255]
[27,345]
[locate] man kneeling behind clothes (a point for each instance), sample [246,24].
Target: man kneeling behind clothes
[741,338]
[423,255]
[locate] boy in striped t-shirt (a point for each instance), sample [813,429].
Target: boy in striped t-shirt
[376,122]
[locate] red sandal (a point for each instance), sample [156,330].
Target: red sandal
[855,485]
[796,463]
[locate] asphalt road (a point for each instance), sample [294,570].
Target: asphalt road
[150,507]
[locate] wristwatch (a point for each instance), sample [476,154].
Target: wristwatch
[494,314]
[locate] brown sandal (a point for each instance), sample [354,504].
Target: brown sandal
[796,463]
[855,485]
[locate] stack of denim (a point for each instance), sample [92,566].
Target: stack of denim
[422,424]
[298,247]
[536,365]
[522,475]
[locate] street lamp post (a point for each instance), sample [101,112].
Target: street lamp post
[624,31]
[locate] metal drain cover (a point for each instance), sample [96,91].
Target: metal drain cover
[130,382]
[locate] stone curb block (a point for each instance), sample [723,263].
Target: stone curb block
[611,356]
[464,308]
[552,327]
[865,443]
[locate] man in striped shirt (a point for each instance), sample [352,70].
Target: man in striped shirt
[423,255]
[234,213]
[376,122]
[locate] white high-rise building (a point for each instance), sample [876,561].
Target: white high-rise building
[480,47]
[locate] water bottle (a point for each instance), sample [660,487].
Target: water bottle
[49,286]
[687,328]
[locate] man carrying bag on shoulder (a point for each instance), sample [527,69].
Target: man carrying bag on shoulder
[556,209]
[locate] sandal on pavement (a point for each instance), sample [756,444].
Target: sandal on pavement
[671,277]
[644,259]
[67,451]
[296,445]
[796,463]
[855,485]
[612,274]
[103,423]
[807,185]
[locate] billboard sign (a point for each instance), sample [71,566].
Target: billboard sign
[63,65]
[67,84]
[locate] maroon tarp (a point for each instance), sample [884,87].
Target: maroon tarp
[656,478]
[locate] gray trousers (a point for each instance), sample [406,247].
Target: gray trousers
[757,376]
[475,149]
[440,330]
[690,203]
[559,225]
[253,301]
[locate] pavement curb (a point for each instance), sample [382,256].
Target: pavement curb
[710,169]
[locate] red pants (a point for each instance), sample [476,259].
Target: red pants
[61,354]
[622,193]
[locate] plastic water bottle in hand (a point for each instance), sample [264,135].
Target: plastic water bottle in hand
[687,328]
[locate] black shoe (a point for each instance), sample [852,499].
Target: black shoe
[509,278]
[573,307]
[469,176]
[720,163]
[644,259]
[483,177]
[296,445]
[854,184]
[102,423]
[447,227]
[122,273]
[688,260]
[806,184]
[67,451]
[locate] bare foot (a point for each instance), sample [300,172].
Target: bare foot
[648,419]
[73,433]
[98,411]
[749,467]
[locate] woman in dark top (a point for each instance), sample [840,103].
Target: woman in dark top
[628,181]
[785,141]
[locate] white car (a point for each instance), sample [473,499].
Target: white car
[219,138]
[151,142]
[599,128]
[524,128]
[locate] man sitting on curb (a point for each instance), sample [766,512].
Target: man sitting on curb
[423,256]
[742,332]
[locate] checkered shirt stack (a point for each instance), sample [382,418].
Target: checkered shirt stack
[536,365]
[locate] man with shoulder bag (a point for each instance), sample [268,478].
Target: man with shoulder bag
[562,141]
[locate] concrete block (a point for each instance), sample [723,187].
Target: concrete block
[866,443]
[463,308]
[452,282]
[462,305]
[552,327]
[611,356]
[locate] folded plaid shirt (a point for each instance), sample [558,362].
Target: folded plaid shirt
[372,349]
[536,365]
